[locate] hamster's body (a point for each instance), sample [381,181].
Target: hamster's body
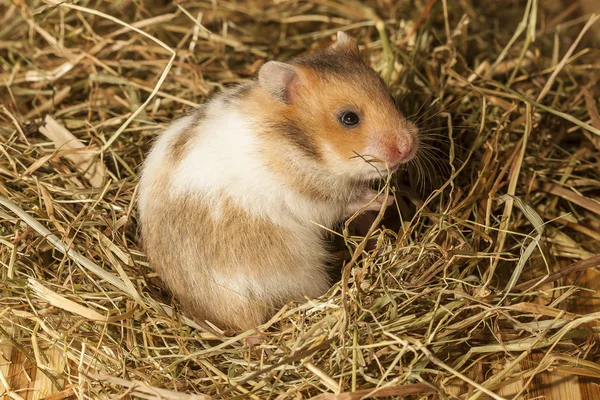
[233,197]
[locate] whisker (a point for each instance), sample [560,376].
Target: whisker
[448,106]
[434,152]
[441,128]
[419,110]
[446,145]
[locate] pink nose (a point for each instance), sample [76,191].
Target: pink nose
[404,147]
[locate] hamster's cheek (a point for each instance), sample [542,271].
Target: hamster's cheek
[361,168]
[370,170]
[350,163]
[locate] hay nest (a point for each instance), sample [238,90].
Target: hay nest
[478,292]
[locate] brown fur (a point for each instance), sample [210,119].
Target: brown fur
[184,260]
[178,147]
[297,134]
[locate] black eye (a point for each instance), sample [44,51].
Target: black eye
[349,118]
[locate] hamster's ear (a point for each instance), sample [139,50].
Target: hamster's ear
[345,42]
[280,80]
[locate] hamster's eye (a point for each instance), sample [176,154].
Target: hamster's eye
[349,119]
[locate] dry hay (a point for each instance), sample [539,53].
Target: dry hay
[475,295]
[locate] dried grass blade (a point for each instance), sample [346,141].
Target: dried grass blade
[144,390]
[63,303]
[65,249]
[87,163]
[565,58]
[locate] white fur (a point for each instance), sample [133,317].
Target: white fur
[359,166]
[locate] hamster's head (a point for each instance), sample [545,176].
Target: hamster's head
[344,109]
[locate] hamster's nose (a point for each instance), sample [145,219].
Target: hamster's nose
[404,147]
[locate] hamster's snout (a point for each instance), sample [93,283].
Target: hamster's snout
[405,147]
[402,150]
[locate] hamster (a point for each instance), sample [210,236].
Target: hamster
[234,197]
